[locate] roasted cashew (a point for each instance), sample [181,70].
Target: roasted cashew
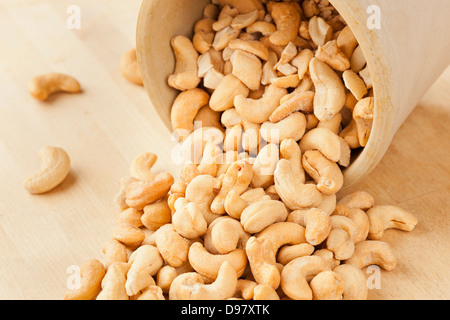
[165,277]
[224,95]
[265,165]
[243,6]
[238,178]
[259,111]
[130,216]
[287,18]
[251,46]
[201,191]
[347,41]
[113,283]
[291,127]
[235,204]
[185,76]
[317,224]
[186,279]
[331,54]
[141,167]
[188,219]
[157,214]
[328,256]
[261,250]
[114,251]
[359,218]
[355,84]
[129,235]
[152,292]
[171,245]
[245,288]
[319,30]
[185,109]
[145,262]
[247,67]
[242,21]
[129,67]
[382,218]
[327,285]
[372,252]
[330,94]
[224,235]
[290,150]
[340,243]
[41,87]
[363,114]
[288,253]
[264,292]
[326,173]
[261,214]
[223,287]
[295,276]
[224,36]
[55,166]
[294,193]
[358,199]
[91,273]
[355,282]
[263,27]
[208,264]
[328,143]
[297,102]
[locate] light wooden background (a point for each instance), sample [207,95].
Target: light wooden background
[104,128]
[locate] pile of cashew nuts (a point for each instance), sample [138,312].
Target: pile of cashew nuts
[283,95]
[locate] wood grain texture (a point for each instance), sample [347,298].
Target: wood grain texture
[112,121]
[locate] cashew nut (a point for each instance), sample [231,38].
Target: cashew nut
[41,87]
[287,18]
[331,54]
[129,235]
[185,76]
[294,193]
[114,251]
[297,102]
[261,214]
[171,245]
[264,292]
[386,217]
[188,219]
[327,285]
[355,282]
[235,204]
[363,114]
[129,67]
[141,167]
[291,127]
[208,264]
[358,199]
[113,283]
[55,166]
[224,235]
[288,253]
[317,224]
[373,252]
[248,68]
[265,165]
[259,111]
[157,214]
[330,94]
[319,30]
[251,46]
[91,273]
[359,218]
[341,243]
[295,276]
[224,95]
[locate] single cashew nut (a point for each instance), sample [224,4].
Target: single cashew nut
[330,94]
[358,199]
[171,245]
[188,278]
[224,95]
[141,167]
[129,235]
[223,287]
[327,285]
[114,251]
[294,193]
[129,67]
[326,173]
[157,214]
[359,218]
[248,68]
[287,18]
[251,46]
[224,235]
[245,288]
[261,214]
[292,127]
[355,282]
[331,54]
[55,166]
[208,264]
[264,167]
[185,76]
[264,292]
[188,219]
[363,114]
[288,253]
[297,102]
[113,283]
[41,87]
[382,218]
[372,252]
[295,276]
[152,292]
[340,243]
[91,273]
[316,222]
[235,204]
[328,256]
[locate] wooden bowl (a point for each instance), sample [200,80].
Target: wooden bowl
[405,56]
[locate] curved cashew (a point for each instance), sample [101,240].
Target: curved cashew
[129,235]
[242,21]
[152,292]
[201,191]
[363,114]
[287,18]
[114,251]
[251,136]
[302,101]
[291,127]
[247,67]
[340,243]
[317,224]
[264,167]
[261,214]
[235,204]
[230,118]
[328,204]
[347,41]
[223,287]
[238,178]
[359,218]
[331,54]
[355,84]
[224,235]
[295,276]
[319,30]
[259,111]
[327,285]
[382,218]
[224,95]
[141,167]
[55,166]
[294,193]
[358,199]
[113,284]
[208,264]
[328,143]
[141,193]
[185,76]
[188,219]
[245,288]
[171,245]
[129,67]
[355,282]
[92,273]
[243,6]
[165,277]
[328,256]
[185,109]
[261,250]
[263,27]
[372,252]
[288,253]
[207,117]
[264,292]
[41,87]
[326,173]
[186,279]
[330,94]
[156,214]
[252,46]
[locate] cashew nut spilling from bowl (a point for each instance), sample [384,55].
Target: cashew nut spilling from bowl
[284,96]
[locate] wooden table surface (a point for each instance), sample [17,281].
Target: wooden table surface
[104,128]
